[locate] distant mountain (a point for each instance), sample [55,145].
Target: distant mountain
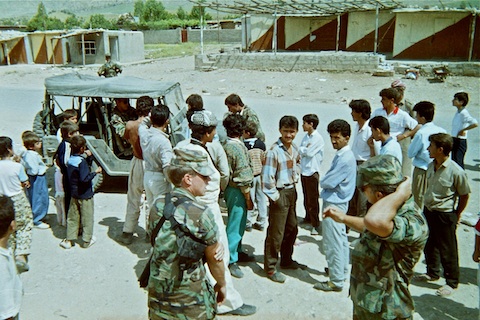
[28,8]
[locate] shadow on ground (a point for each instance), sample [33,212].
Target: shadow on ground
[431,307]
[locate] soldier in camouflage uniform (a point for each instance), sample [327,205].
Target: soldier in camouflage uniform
[235,105]
[173,293]
[393,235]
[109,68]
[122,113]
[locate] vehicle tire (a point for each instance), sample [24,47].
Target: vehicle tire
[99,177]
[38,125]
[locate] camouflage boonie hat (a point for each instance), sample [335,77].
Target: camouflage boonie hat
[194,159]
[204,118]
[379,170]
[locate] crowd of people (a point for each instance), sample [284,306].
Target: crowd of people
[369,187]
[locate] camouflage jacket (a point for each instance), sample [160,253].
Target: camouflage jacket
[171,292]
[109,69]
[118,121]
[251,115]
[382,267]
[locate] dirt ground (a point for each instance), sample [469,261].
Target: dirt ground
[100,282]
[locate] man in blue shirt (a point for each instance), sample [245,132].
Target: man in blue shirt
[338,186]
[418,149]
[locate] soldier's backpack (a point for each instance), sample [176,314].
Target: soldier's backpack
[190,248]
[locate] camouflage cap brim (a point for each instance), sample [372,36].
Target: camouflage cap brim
[379,170]
[194,159]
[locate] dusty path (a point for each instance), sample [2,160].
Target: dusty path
[100,283]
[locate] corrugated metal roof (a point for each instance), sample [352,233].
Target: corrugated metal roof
[329,7]
[296,7]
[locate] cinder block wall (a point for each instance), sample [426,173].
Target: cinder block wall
[287,61]
[162,36]
[222,35]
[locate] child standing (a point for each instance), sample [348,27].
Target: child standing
[81,207]
[36,169]
[311,153]
[256,150]
[381,132]
[461,123]
[67,115]
[10,285]
[12,180]
[62,191]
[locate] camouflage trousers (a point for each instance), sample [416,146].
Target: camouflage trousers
[21,240]
[191,299]
[362,314]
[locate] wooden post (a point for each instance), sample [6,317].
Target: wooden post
[472,36]
[338,34]
[376,30]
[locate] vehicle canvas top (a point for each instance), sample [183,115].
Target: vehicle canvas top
[82,85]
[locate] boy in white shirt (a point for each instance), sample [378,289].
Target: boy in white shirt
[461,123]
[311,153]
[381,132]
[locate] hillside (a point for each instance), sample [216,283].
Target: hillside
[85,8]
[28,8]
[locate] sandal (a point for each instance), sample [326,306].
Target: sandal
[425,277]
[444,291]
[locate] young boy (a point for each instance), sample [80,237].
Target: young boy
[311,153]
[425,111]
[279,176]
[338,186]
[81,207]
[67,115]
[36,169]
[381,132]
[237,193]
[256,150]
[68,129]
[402,125]
[10,285]
[461,123]
[12,180]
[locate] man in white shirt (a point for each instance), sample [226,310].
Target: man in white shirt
[361,111]
[381,132]
[402,126]
[418,149]
[311,153]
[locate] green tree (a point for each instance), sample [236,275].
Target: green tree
[196,12]
[138,8]
[153,11]
[181,14]
[39,20]
[73,22]
[98,21]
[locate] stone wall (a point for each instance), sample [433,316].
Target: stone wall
[288,61]
[328,61]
